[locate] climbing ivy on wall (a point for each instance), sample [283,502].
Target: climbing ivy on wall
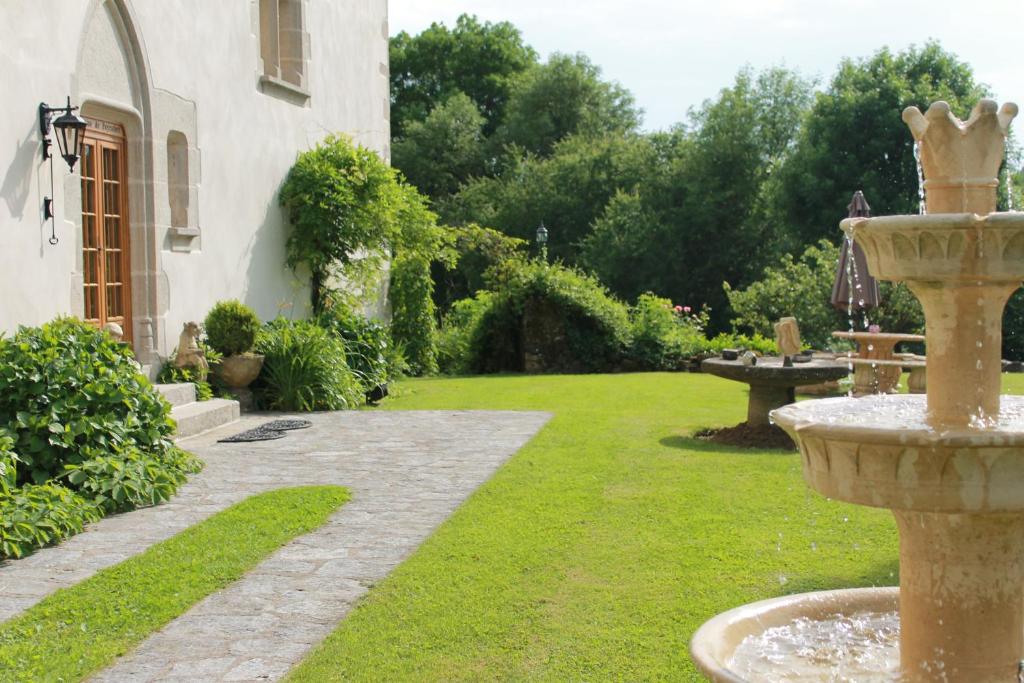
[349,211]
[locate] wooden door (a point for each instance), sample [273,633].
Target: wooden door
[105,248]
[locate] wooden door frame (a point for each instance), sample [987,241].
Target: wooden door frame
[107,135]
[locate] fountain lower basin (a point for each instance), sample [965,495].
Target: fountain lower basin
[957,495]
[714,646]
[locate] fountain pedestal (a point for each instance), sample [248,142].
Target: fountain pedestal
[961,593]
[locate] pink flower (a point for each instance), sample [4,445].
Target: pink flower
[680,309]
[686,309]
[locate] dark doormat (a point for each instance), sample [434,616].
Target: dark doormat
[267,431]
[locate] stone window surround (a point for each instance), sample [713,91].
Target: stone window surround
[270,14]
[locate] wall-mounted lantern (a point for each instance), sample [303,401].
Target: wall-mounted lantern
[69,128]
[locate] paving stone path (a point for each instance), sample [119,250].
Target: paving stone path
[407,471]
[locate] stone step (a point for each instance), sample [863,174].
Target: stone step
[195,418]
[178,394]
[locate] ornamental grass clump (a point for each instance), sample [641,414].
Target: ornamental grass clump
[304,369]
[82,433]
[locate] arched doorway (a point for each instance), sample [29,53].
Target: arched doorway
[117,275]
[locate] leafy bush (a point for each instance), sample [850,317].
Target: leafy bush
[70,393]
[169,374]
[231,327]
[8,463]
[133,479]
[342,202]
[596,326]
[665,337]
[455,336]
[36,515]
[81,433]
[304,369]
[368,348]
[803,288]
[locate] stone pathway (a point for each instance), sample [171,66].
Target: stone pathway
[407,471]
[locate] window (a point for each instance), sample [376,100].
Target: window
[177,178]
[283,42]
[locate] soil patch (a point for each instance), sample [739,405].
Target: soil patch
[749,436]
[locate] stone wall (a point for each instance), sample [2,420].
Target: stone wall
[210,139]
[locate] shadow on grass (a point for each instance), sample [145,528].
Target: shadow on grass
[690,443]
[880,575]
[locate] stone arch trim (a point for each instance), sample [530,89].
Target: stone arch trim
[135,114]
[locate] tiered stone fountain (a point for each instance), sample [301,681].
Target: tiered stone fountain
[950,465]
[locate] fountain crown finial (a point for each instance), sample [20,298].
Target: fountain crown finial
[961,159]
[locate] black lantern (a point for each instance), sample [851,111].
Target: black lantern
[69,127]
[542,241]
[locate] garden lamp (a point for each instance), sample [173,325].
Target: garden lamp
[542,240]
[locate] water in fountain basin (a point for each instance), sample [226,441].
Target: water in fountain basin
[861,647]
[907,414]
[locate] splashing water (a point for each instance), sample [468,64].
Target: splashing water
[861,647]
[922,207]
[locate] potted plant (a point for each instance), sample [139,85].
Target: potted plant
[231,329]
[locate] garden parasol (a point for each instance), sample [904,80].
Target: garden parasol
[867,295]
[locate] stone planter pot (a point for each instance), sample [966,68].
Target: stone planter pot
[238,371]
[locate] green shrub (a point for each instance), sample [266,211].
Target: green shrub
[803,289]
[169,374]
[304,369]
[368,351]
[231,327]
[8,463]
[413,325]
[70,393]
[37,515]
[666,337]
[134,478]
[596,325]
[455,336]
[342,202]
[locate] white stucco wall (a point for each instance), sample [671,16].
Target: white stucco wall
[195,66]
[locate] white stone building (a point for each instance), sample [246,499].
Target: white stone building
[196,111]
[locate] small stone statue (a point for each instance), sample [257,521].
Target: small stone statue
[787,336]
[189,354]
[114,330]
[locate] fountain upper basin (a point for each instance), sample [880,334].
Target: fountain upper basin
[942,247]
[880,451]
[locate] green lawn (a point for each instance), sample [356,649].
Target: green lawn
[82,629]
[599,548]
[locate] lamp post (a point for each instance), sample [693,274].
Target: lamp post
[542,241]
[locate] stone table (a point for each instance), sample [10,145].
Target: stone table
[877,370]
[772,385]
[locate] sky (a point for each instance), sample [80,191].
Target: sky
[674,55]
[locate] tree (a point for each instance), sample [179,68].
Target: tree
[478,59]
[854,138]
[567,191]
[699,216]
[445,150]
[563,97]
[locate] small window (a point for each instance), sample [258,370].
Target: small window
[177,178]
[283,41]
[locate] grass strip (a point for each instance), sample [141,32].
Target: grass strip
[595,552]
[84,628]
